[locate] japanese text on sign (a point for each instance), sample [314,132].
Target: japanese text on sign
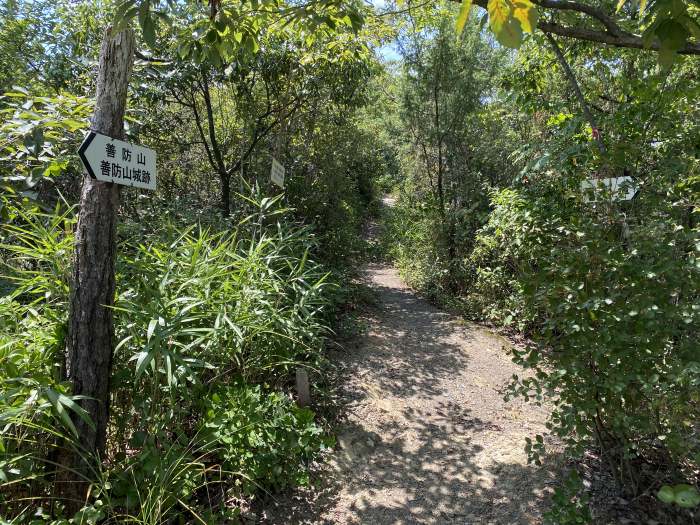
[111,160]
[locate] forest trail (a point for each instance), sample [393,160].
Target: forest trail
[428,437]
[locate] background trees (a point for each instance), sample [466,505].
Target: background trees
[604,287]
[224,287]
[211,309]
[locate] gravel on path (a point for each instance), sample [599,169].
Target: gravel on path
[428,437]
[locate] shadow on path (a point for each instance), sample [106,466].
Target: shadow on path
[427,437]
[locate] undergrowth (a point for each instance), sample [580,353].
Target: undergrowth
[210,325]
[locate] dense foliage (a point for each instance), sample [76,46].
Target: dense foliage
[607,289]
[225,285]
[196,311]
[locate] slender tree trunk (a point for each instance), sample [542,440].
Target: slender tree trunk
[225,194]
[90,328]
[440,188]
[224,173]
[577,91]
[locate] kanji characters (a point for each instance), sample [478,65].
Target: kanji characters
[124,163]
[105,169]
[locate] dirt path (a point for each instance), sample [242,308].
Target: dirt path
[428,438]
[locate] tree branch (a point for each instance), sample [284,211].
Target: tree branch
[613,34]
[624,40]
[594,12]
[213,142]
[577,90]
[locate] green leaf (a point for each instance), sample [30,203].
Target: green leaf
[666,57]
[507,30]
[144,8]
[666,494]
[463,15]
[82,413]
[123,14]
[151,328]
[143,360]
[686,496]
[149,30]
[526,13]
[65,418]
[672,35]
[73,125]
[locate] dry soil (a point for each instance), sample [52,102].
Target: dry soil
[428,437]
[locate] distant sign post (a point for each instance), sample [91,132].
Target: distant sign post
[277,173]
[111,160]
[619,188]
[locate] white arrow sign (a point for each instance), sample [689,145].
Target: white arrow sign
[111,160]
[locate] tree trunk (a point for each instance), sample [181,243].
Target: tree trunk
[90,328]
[440,189]
[225,194]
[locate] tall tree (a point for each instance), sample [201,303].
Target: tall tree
[90,327]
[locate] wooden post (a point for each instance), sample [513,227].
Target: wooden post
[90,328]
[303,391]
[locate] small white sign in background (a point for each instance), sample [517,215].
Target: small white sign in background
[277,173]
[111,160]
[619,188]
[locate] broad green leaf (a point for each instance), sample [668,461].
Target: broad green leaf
[686,496]
[648,36]
[463,15]
[504,26]
[666,58]
[149,30]
[672,35]
[526,13]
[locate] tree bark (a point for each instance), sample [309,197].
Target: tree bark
[90,328]
[225,194]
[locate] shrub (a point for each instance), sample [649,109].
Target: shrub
[262,437]
[613,306]
[196,311]
[498,260]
